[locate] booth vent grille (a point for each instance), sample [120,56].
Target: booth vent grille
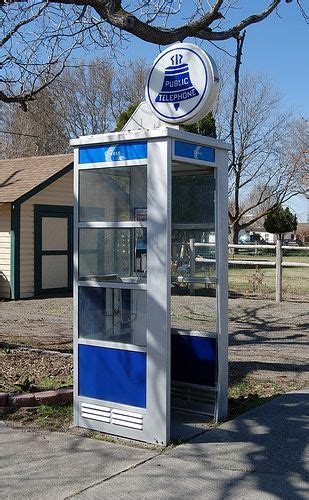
[199,400]
[112,416]
[96,412]
[127,419]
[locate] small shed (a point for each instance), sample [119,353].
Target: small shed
[36,219]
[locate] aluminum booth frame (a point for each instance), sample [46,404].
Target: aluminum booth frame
[119,387]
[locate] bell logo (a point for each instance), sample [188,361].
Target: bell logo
[177,85]
[182,86]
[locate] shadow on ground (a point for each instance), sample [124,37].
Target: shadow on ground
[270,440]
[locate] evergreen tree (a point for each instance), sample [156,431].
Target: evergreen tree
[124,117]
[280,221]
[206,126]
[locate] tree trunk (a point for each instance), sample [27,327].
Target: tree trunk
[234,237]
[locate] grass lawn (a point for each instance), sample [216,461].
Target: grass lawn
[48,418]
[271,258]
[243,396]
[250,393]
[262,280]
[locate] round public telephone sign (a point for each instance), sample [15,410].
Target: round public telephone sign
[183,83]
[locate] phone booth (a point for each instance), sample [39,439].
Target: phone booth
[133,368]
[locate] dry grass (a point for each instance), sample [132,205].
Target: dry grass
[262,280]
[48,418]
[30,371]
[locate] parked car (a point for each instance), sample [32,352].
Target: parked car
[251,239]
[293,243]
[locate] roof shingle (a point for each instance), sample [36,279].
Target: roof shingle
[18,176]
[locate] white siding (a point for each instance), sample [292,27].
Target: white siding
[58,193]
[5,249]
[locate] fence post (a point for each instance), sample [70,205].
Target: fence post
[192,264]
[279,269]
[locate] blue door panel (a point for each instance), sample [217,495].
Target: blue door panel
[193,359]
[112,375]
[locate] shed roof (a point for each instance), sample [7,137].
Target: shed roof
[18,176]
[303,226]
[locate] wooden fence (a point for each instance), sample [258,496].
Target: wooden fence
[278,264]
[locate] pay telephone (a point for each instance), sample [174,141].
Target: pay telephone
[140,244]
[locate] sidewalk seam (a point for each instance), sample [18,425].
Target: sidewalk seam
[131,467]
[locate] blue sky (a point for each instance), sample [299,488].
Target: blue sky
[276,47]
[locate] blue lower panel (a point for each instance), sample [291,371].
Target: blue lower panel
[112,375]
[193,359]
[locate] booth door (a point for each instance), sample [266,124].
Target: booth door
[53,249]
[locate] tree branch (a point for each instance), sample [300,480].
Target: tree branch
[19,25]
[30,36]
[240,43]
[112,12]
[23,98]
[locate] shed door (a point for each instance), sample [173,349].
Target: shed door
[53,249]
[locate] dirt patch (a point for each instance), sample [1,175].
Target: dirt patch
[42,323]
[267,340]
[267,351]
[27,371]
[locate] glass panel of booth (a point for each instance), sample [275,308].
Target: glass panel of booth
[112,194]
[117,196]
[193,246]
[112,254]
[112,314]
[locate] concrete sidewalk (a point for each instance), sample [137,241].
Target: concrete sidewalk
[260,454]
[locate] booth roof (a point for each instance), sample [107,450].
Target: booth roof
[19,176]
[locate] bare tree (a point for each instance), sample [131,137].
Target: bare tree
[85,99]
[40,131]
[90,97]
[261,173]
[129,85]
[297,150]
[3,137]
[39,37]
